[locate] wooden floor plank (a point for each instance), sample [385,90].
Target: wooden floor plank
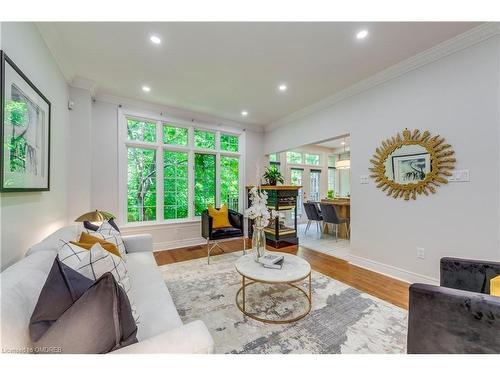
[391,290]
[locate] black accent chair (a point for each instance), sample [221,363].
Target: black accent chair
[331,216]
[213,236]
[313,214]
[459,316]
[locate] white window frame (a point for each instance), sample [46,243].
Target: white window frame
[159,146]
[303,156]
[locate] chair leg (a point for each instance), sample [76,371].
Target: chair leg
[208,251]
[348,229]
[307,226]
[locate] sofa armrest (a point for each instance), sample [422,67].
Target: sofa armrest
[470,275]
[138,242]
[192,338]
[206,225]
[445,320]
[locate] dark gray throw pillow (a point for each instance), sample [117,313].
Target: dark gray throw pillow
[88,225]
[97,320]
[61,289]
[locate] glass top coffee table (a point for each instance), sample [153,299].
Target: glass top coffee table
[294,270]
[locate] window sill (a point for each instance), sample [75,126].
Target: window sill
[145,224]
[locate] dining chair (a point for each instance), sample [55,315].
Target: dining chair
[313,214]
[331,216]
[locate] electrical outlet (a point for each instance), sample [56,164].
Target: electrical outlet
[363,179]
[420,253]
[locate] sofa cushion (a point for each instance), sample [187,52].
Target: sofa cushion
[21,285]
[151,296]
[226,233]
[62,288]
[98,322]
[52,241]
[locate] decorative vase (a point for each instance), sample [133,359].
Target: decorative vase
[258,242]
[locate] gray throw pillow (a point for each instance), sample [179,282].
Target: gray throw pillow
[99,320]
[61,289]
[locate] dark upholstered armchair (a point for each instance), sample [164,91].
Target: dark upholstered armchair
[213,236]
[459,316]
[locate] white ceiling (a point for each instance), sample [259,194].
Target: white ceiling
[336,143]
[221,69]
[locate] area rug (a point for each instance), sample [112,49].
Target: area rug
[342,319]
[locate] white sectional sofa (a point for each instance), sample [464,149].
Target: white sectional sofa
[160,329]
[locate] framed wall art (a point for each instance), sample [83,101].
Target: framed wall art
[25,132]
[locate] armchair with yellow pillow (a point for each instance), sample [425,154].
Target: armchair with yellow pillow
[221,224]
[460,316]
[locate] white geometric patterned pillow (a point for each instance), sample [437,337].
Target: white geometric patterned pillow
[110,234]
[96,262]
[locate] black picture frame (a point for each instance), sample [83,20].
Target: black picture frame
[4,59]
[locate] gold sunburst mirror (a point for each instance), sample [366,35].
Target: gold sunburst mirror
[412,164]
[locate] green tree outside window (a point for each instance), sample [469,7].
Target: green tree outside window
[175,136]
[175,185]
[141,184]
[229,188]
[141,131]
[204,182]
[228,142]
[204,139]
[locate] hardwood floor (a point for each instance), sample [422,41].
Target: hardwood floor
[383,287]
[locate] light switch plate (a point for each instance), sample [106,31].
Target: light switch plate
[461,175]
[363,179]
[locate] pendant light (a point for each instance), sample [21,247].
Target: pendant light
[343,164]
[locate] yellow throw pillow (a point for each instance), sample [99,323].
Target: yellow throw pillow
[220,217]
[495,286]
[87,241]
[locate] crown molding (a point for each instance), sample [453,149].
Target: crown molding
[439,51]
[85,84]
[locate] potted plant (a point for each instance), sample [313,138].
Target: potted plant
[273,175]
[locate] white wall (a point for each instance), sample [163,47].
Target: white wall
[104,170]
[79,156]
[28,217]
[457,97]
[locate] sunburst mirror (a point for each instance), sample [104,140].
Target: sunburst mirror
[412,164]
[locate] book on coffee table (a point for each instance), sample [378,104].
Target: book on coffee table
[276,266]
[270,259]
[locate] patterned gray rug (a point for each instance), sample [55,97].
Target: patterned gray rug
[342,319]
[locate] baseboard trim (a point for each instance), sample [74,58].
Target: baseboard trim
[391,271]
[170,245]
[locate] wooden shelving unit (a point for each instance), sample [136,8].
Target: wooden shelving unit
[280,232]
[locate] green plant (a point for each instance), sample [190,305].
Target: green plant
[330,194]
[273,175]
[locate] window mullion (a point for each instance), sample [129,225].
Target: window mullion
[191,173]
[217,170]
[159,173]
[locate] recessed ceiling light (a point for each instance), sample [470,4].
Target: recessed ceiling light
[362,34]
[146,88]
[342,143]
[155,39]
[244,113]
[282,87]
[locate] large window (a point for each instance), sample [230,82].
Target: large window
[141,184]
[229,181]
[298,157]
[174,171]
[204,180]
[175,179]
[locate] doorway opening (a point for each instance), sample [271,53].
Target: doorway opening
[322,170]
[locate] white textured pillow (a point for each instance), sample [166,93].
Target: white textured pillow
[96,262]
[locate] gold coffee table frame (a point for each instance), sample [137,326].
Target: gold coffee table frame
[242,306]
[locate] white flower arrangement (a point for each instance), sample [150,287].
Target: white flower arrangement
[258,211]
